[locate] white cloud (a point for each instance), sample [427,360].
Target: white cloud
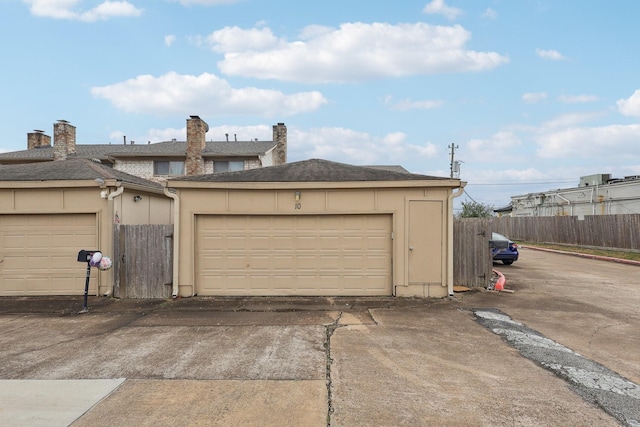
[354,52]
[568,120]
[215,133]
[329,143]
[577,99]
[360,148]
[592,143]
[408,104]
[234,39]
[205,94]
[631,105]
[312,31]
[502,142]
[550,54]
[438,7]
[206,2]
[507,175]
[243,133]
[534,97]
[490,14]
[67,9]
[168,40]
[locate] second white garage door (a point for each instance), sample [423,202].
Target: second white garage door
[309,255]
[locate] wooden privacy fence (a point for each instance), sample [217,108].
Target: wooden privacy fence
[607,231]
[143,261]
[472,263]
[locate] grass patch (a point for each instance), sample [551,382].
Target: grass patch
[633,256]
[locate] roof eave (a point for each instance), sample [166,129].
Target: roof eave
[444,183]
[83,183]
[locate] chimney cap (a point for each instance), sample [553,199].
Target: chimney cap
[62,121]
[195,117]
[38,131]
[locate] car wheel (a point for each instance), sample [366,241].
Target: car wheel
[505,262]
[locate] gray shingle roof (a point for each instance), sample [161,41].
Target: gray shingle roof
[314,170]
[160,149]
[212,149]
[394,168]
[69,170]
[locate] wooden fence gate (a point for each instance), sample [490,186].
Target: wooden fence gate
[472,261]
[143,261]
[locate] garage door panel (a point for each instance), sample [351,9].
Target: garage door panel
[293,255]
[283,224]
[309,223]
[38,286]
[39,253]
[282,242]
[259,243]
[329,262]
[12,242]
[351,263]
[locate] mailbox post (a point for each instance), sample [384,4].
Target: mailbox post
[85,256]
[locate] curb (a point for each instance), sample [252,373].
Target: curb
[598,257]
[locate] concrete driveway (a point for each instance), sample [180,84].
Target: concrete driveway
[321,361]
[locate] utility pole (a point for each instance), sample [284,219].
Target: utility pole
[453,152]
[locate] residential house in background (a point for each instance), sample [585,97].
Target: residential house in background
[157,161]
[595,195]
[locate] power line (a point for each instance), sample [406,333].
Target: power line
[469,196]
[522,183]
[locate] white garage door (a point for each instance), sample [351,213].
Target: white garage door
[308,255]
[38,254]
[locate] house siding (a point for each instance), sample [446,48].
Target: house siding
[141,168]
[252,164]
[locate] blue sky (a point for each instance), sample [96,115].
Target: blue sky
[533,93]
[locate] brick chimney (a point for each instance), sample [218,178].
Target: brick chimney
[196,142]
[280,138]
[64,140]
[37,139]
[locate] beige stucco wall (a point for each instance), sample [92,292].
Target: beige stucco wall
[87,197]
[315,198]
[149,209]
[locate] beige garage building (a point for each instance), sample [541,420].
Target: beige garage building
[50,211]
[313,228]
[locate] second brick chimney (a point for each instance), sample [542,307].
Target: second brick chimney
[37,139]
[64,140]
[280,138]
[196,142]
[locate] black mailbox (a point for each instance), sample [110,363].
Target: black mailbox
[85,255]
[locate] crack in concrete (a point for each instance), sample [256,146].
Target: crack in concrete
[370,313]
[600,329]
[330,329]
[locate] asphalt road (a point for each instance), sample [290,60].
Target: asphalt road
[469,360]
[582,324]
